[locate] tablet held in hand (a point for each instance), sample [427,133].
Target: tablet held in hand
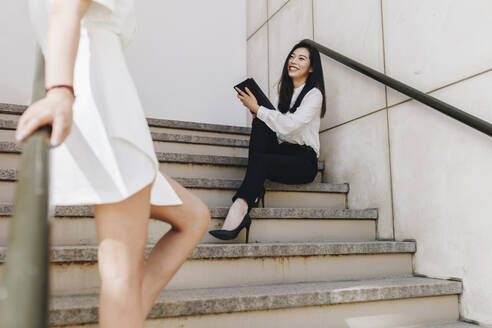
[257,92]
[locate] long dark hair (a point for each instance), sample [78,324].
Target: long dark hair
[314,80]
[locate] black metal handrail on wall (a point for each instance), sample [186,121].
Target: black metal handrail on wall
[445,108]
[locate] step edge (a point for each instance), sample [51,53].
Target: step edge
[199,140]
[88,253]
[179,303]
[14,109]
[169,137]
[209,159]
[164,157]
[197,126]
[450,324]
[85,211]
[11,175]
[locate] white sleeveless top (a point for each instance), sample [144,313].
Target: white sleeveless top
[109,154]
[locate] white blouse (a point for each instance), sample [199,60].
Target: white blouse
[300,127]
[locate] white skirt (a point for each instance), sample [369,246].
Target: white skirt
[109,154]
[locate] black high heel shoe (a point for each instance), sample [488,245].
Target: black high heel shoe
[245,223]
[231,234]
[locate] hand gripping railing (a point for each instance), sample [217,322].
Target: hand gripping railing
[445,108]
[24,293]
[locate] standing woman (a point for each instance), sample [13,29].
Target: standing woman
[284,143]
[104,153]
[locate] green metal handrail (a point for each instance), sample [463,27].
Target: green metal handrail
[24,293]
[441,106]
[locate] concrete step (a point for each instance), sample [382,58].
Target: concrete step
[195,126]
[382,303]
[202,145]
[74,269]
[8,122]
[12,112]
[12,109]
[219,192]
[73,225]
[453,324]
[210,166]
[174,164]
[173,142]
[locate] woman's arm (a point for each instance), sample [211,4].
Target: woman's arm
[61,50]
[286,124]
[283,123]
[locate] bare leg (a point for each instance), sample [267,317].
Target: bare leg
[189,223]
[122,236]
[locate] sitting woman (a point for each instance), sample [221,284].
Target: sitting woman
[284,143]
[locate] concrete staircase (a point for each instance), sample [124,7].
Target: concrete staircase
[311,261]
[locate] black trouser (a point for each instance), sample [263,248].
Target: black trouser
[286,163]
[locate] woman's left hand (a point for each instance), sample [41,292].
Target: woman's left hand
[248,100]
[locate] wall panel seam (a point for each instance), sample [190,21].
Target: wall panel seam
[447,85]
[388,125]
[257,30]
[312,17]
[459,81]
[268,18]
[354,119]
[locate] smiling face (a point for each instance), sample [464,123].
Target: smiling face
[299,64]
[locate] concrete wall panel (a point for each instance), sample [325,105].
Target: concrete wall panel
[258,58]
[257,15]
[258,61]
[357,35]
[357,153]
[441,181]
[431,43]
[290,25]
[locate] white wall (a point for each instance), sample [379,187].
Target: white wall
[429,175]
[16,53]
[187,56]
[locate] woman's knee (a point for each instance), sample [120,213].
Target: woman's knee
[199,216]
[192,215]
[195,216]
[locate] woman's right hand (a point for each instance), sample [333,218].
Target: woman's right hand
[55,109]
